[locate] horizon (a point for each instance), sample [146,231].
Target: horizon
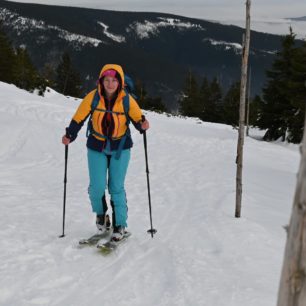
[275,17]
[219,10]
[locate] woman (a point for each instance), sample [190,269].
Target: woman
[108,144]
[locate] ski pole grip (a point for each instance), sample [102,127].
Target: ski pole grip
[67,132]
[66,152]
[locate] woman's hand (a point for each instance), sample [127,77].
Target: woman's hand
[65,140]
[145,125]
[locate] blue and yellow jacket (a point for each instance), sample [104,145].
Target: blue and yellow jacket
[113,128]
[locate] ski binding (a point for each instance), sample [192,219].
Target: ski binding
[112,245]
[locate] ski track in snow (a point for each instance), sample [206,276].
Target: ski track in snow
[201,254]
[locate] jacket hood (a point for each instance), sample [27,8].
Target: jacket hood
[116,67]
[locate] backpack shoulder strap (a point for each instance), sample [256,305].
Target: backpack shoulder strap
[126,106]
[95,101]
[93,106]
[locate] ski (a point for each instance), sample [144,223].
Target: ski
[112,245]
[92,240]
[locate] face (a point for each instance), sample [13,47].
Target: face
[110,85]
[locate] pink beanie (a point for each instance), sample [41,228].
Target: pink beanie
[109,72]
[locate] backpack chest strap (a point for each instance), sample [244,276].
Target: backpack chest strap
[109,111]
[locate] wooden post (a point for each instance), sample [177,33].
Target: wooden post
[292,288]
[244,70]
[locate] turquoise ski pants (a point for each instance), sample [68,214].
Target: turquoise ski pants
[99,165]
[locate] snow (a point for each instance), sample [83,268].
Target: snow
[23,25]
[77,39]
[147,28]
[201,254]
[227,45]
[116,38]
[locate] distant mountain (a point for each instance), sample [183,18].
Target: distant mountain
[298,18]
[275,26]
[156,48]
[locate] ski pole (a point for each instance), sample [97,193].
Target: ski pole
[151,231]
[65,183]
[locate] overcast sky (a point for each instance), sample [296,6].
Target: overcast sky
[204,9]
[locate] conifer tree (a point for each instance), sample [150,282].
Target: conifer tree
[276,107]
[155,104]
[141,93]
[231,105]
[7,59]
[146,102]
[16,67]
[210,100]
[190,104]
[254,110]
[48,73]
[298,96]
[204,96]
[26,74]
[68,81]
[215,101]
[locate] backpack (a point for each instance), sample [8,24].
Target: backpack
[129,86]
[129,89]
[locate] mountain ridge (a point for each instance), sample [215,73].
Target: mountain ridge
[157,48]
[303,18]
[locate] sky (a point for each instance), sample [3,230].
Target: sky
[203,9]
[200,255]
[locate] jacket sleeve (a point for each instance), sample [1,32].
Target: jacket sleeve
[80,117]
[135,114]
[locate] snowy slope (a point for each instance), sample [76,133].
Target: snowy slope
[201,254]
